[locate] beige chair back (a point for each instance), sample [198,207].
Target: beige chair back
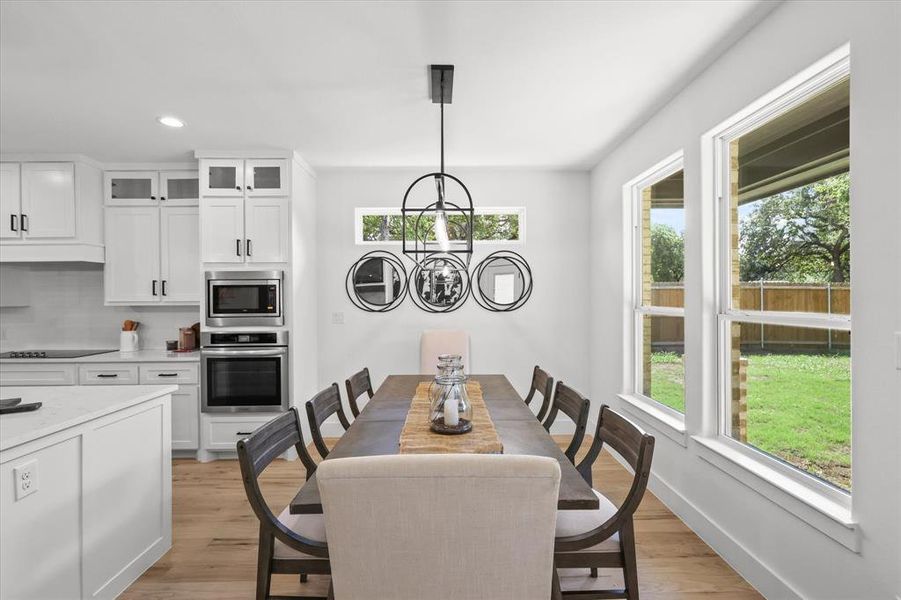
[440,526]
[442,341]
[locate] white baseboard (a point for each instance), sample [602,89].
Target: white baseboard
[745,563]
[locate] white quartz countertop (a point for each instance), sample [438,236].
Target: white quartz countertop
[68,406]
[112,357]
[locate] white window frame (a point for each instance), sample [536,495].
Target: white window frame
[360,212]
[663,418]
[824,497]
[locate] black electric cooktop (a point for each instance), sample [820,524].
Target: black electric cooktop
[52,353]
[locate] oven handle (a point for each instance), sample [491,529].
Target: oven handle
[243,352]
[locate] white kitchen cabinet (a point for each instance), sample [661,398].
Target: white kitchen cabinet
[10,201]
[48,200]
[152,255]
[222,230]
[186,418]
[179,188]
[128,188]
[108,374]
[266,229]
[16,373]
[265,177]
[50,211]
[222,177]
[180,278]
[132,270]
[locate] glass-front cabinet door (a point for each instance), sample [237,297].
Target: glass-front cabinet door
[222,177]
[266,177]
[124,188]
[179,188]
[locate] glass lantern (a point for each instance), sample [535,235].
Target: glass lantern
[450,411]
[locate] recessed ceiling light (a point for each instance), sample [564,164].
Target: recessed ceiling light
[171,121]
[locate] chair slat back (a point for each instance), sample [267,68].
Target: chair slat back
[255,453]
[542,383]
[323,405]
[358,384]
[575,406]
[620,434]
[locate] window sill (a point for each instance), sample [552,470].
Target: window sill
[824,514]
[657,419]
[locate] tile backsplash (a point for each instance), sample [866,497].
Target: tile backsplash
[63,308]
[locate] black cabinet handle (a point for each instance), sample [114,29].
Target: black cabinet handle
[164,287]
[153,287]
[244,433]
[238,247]
[24,219]
[153,197]
[249,188]
[162,197]
[249,247]
[238,187]
[167,374]
[14,222]
[107,375]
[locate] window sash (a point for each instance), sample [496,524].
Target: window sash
[361,212]
[825,73]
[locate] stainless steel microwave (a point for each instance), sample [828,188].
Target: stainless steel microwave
[244,298]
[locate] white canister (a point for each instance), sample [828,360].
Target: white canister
[128,341]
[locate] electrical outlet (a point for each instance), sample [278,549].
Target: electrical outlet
[26,479]
[337,318]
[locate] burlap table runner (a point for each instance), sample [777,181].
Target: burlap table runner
[417,438]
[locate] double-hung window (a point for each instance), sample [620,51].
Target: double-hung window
[657,288]
[783,307]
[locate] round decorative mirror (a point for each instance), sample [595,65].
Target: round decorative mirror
[503,281]
[376,282]
[439,284]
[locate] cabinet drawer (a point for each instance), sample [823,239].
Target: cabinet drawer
[31,374]
[224,434]
[108,374]
[159,373]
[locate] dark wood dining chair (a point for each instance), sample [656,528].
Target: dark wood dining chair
[323,405]
[543,384]
[605,537]
[287,543]
[575,406]
[358,384]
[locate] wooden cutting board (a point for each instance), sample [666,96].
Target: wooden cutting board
[417,438]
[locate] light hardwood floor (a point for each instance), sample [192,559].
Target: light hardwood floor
[213,554]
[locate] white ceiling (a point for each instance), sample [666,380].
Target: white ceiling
[538,84]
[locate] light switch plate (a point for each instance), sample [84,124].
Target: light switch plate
[26,476]
[337,318]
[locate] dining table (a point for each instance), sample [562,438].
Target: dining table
[377,430]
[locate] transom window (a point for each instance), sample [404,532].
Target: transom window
[658,271]
[490,225]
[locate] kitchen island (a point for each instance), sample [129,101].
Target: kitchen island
[85,489]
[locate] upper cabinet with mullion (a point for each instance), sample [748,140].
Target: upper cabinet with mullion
[179,188]
[130,188]
[265,177]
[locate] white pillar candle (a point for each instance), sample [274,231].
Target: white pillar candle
[451,412]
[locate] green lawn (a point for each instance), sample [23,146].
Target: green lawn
[799,407]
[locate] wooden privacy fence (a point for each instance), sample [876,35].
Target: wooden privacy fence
[828,298]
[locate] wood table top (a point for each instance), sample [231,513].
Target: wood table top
[376,431]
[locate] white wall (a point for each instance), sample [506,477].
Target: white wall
[550,330]
[65,310]
[302,317]
[778,553]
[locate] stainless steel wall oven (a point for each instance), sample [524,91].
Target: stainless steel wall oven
[244,371]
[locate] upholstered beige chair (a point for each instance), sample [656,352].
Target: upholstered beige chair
[442,341]
[441,526]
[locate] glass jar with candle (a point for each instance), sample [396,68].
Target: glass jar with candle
[450,411]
